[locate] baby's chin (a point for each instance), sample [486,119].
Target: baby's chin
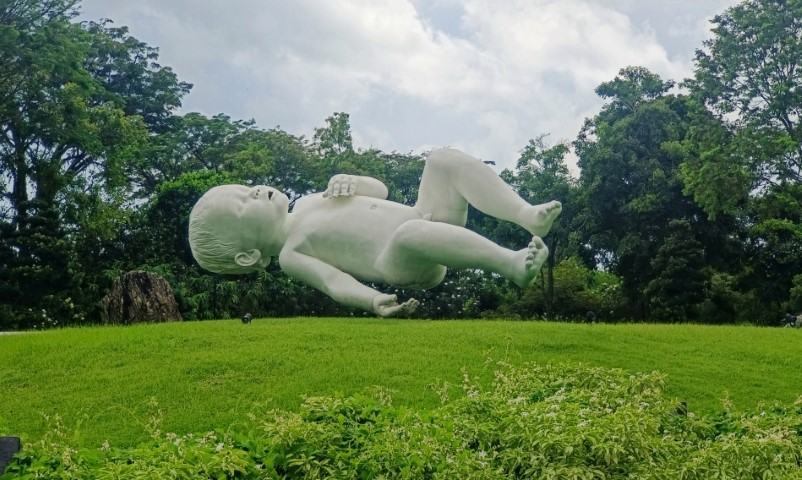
[283,200]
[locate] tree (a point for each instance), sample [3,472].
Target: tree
[577,290]
[677,287]
[335,138]
[236,148]
[748,76]
[76,102]
[192,142]
[542,176]
[130,75]
[629,90]
[631,190]
[333,151]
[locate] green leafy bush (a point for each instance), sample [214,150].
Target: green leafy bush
[577,290]
[565,421]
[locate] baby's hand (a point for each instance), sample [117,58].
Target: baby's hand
[341,185]
[386,305]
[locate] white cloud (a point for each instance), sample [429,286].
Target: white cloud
[515,69]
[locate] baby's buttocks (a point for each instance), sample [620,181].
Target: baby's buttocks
[409,275]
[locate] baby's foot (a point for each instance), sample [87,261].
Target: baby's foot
[528,262]
[538,218]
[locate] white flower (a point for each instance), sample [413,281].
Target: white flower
[219,447]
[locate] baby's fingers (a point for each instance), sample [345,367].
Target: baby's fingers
[410,306]
[341,186]
[336,186]
[333,188]
[345,188]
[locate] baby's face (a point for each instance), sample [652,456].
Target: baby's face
[260,203]
[255,204]
[256,213]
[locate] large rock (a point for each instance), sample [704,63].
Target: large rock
[139,297]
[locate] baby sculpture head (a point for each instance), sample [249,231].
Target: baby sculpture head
[236,229]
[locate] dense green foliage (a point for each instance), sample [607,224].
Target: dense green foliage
[689,202]
[533,421]
[748,77]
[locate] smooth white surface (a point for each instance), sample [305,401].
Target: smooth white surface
[350,232]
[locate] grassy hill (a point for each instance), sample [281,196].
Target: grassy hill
[206,375]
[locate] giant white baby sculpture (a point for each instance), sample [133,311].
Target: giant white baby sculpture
[350,232]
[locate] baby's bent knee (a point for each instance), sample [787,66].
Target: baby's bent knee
[448,158]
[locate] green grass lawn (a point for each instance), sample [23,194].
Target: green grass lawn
[208,375]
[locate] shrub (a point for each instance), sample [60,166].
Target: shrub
[577,290]
[564,421]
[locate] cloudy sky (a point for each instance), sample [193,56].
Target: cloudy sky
[484,76]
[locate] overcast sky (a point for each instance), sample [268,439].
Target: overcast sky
[484,76]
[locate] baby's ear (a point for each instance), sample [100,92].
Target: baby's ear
[249,258]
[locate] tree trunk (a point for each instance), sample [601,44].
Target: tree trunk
[19,193]
[550,277]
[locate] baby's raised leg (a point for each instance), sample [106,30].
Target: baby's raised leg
[419,245]
[451,180]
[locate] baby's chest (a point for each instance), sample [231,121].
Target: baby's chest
[333,234]
[353,216]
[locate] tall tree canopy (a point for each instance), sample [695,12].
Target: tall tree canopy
[748,75]
[76,100]
[541,175]
[634,213]
[76,105]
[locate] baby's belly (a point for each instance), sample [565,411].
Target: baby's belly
[352,233]
[355,256]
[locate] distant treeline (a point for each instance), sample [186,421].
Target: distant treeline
[687,206]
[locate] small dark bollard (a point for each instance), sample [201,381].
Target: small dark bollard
[8,447]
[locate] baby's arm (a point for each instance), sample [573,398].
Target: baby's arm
[340,286]
[343,185]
